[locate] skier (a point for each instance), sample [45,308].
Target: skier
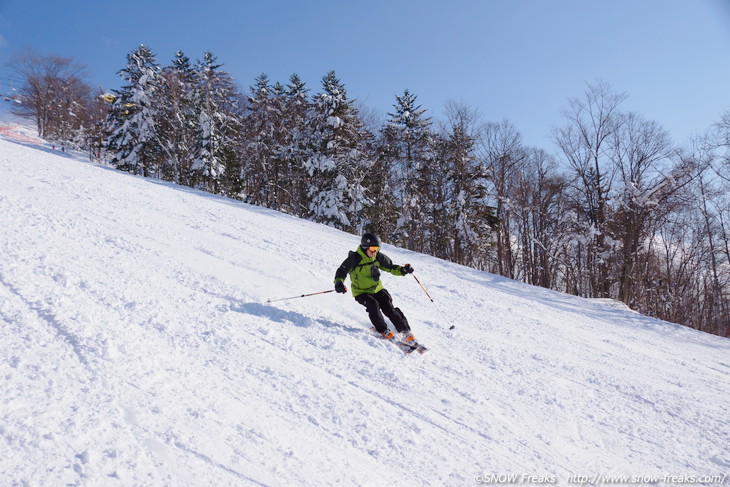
[364,266]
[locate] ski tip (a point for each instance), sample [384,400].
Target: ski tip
[408,349]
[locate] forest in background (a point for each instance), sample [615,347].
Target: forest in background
[614,209]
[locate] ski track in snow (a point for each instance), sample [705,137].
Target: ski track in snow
[138,349]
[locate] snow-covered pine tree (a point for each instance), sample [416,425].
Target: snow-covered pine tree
[131,120]
[409,152]
[178,115]
[259,173]
[281,175]
[468,216]
[216,98]
[292,145]
[338,160]
[382,215]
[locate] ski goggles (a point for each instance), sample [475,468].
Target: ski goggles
[373,248]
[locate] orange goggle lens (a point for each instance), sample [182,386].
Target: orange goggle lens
[374,248]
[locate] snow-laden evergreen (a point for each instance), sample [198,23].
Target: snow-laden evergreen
[264,169]
[337,164]
[470,219]
[178,116]
[409,152]
[139,349]
[216,125]
[132,118]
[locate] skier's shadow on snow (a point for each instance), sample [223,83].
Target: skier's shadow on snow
[288,317]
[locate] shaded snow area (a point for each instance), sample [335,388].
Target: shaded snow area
[138,349]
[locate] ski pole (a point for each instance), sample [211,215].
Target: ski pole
[302,296]
[451,327]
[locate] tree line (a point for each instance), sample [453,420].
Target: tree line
[616,210]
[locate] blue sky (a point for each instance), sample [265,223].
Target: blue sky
[520,60]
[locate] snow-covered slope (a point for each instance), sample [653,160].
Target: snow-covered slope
[138,349]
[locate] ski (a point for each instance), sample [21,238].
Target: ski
[404,346]
[410,348]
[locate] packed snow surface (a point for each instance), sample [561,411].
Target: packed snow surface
[138,348]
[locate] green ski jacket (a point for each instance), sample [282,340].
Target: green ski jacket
[364,271]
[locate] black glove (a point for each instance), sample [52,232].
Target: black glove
[340,287]
[407,269]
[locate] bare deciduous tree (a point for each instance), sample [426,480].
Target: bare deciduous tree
[53,95]
[640,150]
[503,156]
[584,142]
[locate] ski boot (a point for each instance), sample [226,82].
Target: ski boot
[410,340]
[386,335]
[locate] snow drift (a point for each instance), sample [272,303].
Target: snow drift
[138,349]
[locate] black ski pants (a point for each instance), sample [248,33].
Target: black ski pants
[380,304]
